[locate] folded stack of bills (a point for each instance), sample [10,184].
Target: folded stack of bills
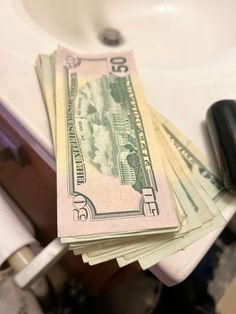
[130,186]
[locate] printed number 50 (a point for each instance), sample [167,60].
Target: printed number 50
[150,201]
[118,65]
[80,203]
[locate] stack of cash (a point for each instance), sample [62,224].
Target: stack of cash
[130,186]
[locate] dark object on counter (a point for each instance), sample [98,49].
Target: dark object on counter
[74,298]
[221,123]
[192,296]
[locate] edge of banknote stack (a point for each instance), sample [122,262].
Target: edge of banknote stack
[130,186]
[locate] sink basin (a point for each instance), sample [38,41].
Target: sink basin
[169,34]
[186,58]
[185,50]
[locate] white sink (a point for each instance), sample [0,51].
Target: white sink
[185,53]
[163,33]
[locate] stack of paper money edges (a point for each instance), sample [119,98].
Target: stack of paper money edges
[130,186]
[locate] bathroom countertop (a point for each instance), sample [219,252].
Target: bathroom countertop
[183,97]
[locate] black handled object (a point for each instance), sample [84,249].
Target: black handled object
[221,123]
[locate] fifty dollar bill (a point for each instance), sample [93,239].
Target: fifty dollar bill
[110,178]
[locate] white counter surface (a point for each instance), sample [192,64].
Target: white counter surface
[182,95]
